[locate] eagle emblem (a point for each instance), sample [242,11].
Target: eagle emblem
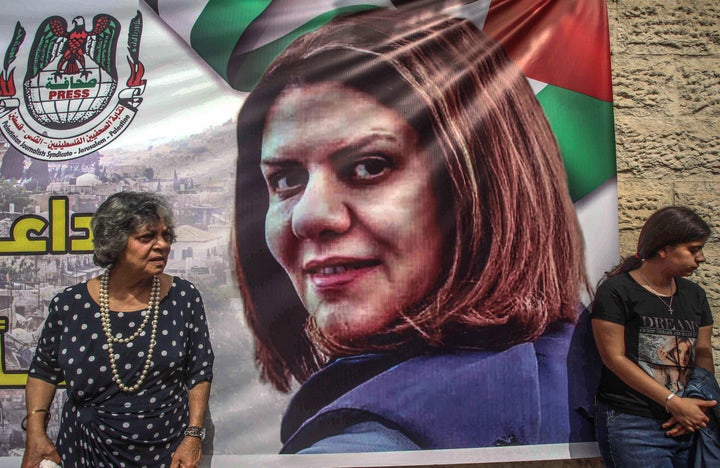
[71,73]
[71,79]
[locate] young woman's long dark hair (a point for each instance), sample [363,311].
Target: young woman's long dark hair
[515,261]
[667,226]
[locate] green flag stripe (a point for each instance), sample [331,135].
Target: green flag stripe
[244,71]
[583,125]
[218,28]
[584,129]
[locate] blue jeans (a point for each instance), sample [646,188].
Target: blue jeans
[628,441]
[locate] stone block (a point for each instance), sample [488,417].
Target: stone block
[667,27]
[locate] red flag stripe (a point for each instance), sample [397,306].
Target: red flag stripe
[561,42]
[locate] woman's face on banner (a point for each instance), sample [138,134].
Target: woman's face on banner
[353,216]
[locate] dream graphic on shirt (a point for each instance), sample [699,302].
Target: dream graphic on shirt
[666,350]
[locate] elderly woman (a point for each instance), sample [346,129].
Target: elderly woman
[406,246]
[132,346]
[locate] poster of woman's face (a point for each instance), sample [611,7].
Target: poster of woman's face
[392,209]
[353,215]
[401,203]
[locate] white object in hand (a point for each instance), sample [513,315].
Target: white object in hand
[46,463]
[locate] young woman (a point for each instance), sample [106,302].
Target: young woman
[652,327]
[407,248]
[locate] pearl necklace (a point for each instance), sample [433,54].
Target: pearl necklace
[153,309]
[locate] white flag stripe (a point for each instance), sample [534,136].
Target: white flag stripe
[284,16]
[536,85]
[181,15]
[474,11]
[598,216]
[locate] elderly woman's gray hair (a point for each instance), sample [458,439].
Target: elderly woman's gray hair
[122,214]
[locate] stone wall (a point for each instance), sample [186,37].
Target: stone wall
[666,87]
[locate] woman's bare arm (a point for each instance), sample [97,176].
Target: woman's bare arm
[703,349]
[189,453]
[38,446]
[610,340]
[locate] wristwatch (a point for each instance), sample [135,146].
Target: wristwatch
[195,431]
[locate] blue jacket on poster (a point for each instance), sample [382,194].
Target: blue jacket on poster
[531,393]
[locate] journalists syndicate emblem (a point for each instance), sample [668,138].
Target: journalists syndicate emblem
[75,99]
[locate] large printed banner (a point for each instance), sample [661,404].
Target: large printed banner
[392,209]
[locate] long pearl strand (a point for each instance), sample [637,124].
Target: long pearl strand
[153,308]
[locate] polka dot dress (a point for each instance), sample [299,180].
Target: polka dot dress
[101,425]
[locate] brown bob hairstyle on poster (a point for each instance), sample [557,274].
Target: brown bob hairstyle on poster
[511,252]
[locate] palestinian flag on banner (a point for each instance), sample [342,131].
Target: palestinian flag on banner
[562,46]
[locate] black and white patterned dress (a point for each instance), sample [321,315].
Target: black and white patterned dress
[101,425]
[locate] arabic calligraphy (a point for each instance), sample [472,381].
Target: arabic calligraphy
[59,144]
[9,379]
[71,84]
[16,121]
[23,137]
[34,138]
[59,233]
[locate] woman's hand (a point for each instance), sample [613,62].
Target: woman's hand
[688,415]
[38,447]
[188,453]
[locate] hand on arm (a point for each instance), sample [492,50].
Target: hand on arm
[688,412]
[685,415]
[704,359]
[189,452]
[38,446]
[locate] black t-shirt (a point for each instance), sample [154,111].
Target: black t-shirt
[661,342]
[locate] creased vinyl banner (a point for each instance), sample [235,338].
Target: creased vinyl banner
[392,211]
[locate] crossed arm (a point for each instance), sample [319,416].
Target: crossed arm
[688,414]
